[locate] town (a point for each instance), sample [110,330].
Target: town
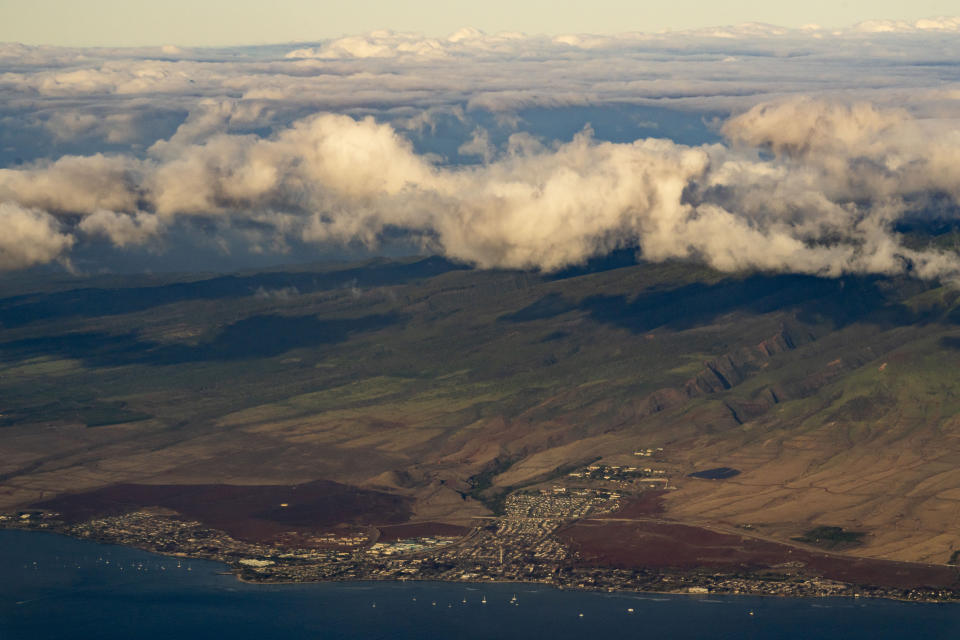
[519,546]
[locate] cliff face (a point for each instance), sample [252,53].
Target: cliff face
[726,372]
[731,369]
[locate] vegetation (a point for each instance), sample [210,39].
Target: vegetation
[481,485]
[832,537]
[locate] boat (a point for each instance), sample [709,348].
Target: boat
[483,600]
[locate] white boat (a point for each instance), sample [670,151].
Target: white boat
[483,600]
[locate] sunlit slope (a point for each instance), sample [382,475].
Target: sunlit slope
[876,450]
[835,398]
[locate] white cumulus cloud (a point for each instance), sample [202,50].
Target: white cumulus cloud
[29,237]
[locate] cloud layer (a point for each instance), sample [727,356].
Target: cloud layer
[841,175]
[824,150]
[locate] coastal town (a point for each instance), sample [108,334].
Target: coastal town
[526,543]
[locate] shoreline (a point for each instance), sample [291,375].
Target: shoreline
[695,583]
[673,592]
[856,596]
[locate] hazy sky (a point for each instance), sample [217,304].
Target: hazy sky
[219,22]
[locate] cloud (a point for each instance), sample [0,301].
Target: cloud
[857,151]
[69,125]
[805,126]
[208,117]
[478,145]
[29,237]
[943,23]
[335,179]
[74,184]
[282,294]
[123,230]
[379,44]
[392,44]
[832,137]
[731,66]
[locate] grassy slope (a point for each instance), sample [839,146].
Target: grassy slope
[848,421]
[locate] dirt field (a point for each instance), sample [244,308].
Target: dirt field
[648,503]
[257,512]
[419,529]
[617,541]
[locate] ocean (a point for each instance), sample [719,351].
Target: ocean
[57,587]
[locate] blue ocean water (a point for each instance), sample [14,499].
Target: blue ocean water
[57,587]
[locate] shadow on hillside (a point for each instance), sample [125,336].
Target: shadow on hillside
[255,337]
[841,301]
[91,302]
[950,342]
[616,259]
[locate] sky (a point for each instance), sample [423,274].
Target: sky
[233,22]
[744,147]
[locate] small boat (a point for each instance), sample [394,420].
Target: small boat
[630,610]
[483,600]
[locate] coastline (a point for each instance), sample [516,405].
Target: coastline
[58,586]
[602,579]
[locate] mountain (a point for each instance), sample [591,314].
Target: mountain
[832,403]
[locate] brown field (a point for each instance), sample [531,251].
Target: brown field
[619,542]
[248,512]
[390,533]
[648,503]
